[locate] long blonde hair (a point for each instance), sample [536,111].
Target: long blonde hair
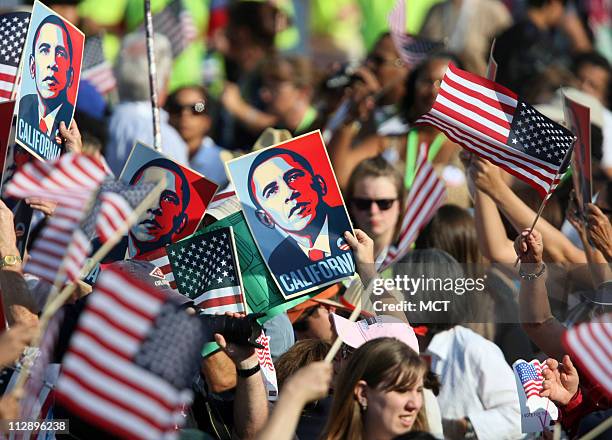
[384,363]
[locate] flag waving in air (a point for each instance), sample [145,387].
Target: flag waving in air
[426,195]
[589,346]
[131,360]
[491,121]
[71,182]
[413,50]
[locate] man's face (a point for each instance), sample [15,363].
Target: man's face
[160,220]
[51,61]
[285,190]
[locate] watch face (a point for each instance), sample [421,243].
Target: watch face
[10,260]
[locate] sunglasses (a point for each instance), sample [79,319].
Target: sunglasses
[196,109]
[366,204]
[380,60]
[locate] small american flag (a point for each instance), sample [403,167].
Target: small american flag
[206,270]
[589,346]
[413,50]
[114,204]
[530,376]
[426,195]
[491,121]
[13,30]
[176,23]
[38,389]
[96,68]
[159,258]
[70,181]
[131,360]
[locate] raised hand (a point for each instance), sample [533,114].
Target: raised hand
[560,380]
[529,247]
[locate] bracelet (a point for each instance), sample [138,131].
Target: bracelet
[532,276]
[248,372]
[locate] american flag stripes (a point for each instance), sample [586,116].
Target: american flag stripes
[38,389]
[131,360]
[114,213]
[96,68]
[176,23]
[491,121]
[70,181]
[413,50]
[206,270]
[589,346]
[79,249]
[426,195]
[67,181]
[530,376]
[13,30]
[113,206]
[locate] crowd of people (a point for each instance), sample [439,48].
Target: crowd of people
[334,66]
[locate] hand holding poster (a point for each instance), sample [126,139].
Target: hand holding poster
[578,118]
[50,74]
[294,209]
[181,204]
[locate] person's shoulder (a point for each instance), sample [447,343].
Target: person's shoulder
[27,102]
[476,346]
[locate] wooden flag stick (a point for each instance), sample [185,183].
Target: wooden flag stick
[599,429]
[355,288]
[551,188]
[58,300]
[152,75]
[108,245]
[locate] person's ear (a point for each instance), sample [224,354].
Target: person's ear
[322,186]
[361,393]
[265,218]
[32,66]
[70,77]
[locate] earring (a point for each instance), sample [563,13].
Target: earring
[364,405]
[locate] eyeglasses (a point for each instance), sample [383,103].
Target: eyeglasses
[196,109]
[380,60]
[366,204]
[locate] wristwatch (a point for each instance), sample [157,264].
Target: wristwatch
[10,260]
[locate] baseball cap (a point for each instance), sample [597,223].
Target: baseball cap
[355,334]
[322,298]
[153,276]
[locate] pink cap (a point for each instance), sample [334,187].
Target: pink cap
[358,333]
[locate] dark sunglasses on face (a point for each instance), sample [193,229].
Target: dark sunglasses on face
[196,109]
[365,204]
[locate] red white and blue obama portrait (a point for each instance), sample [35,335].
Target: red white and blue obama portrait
[289,207]
[181,204]
[51,68]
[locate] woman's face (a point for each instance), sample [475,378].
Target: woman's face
[428,84]
[375,205]
[189,124]
[392,413]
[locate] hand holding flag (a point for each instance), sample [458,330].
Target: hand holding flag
[491,121]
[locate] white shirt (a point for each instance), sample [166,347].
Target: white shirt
[207,161]
[606,160]
[476,382]
[321,243]
[132,122]
[49,118]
